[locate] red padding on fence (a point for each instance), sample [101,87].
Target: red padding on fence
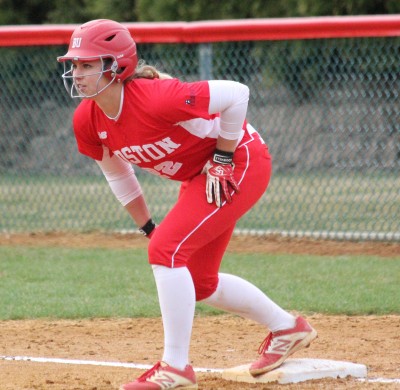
[219,30]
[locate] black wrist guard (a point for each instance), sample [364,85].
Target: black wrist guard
[148,227]
[222,157]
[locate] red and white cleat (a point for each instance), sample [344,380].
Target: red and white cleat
[162,376]
[278,346]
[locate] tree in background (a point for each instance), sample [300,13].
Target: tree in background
[346,7]
[24,12]
[79,11]
[68,11]
[121,10]
[189,10]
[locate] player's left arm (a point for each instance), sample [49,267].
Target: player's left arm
[230,99]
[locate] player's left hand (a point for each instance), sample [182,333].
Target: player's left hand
[219,173]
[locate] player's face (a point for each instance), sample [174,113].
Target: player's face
[88,77]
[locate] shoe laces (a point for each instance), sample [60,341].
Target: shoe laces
[265,344]
[149,373]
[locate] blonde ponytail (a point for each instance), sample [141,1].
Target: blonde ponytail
[148,72]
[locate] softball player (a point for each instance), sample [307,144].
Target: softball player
[195,133]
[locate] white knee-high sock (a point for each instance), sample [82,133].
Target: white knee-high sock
[240,297]
[177,300]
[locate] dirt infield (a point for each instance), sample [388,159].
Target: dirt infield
[245,244]
[218,342]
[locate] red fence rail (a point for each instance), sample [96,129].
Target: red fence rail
[219,30]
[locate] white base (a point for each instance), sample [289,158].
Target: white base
[298,370]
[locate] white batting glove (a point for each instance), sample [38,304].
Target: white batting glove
[219,173]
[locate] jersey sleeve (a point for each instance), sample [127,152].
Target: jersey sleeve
[86,137]
[179,101]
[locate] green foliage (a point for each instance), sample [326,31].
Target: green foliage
[69,11]
[121,10]
[89,283]
[188,10]
[25,12]
[79,11]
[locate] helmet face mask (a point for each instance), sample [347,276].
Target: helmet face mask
[108,69]
[104,40]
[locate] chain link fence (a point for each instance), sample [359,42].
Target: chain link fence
[328,109]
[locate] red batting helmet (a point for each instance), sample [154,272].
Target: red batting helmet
[103,38]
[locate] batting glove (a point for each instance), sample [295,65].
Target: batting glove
[219,173]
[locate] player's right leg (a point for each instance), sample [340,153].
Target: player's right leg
[162,376]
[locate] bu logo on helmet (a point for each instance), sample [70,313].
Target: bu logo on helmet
[76,42]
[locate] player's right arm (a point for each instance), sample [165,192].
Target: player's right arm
[119,174]
[124,184]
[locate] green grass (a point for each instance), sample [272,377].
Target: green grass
[70,283]
[89,283]
[319,201]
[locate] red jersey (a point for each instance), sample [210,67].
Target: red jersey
[164,127]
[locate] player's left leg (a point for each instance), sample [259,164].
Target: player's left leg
[238,296]
[231,293]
